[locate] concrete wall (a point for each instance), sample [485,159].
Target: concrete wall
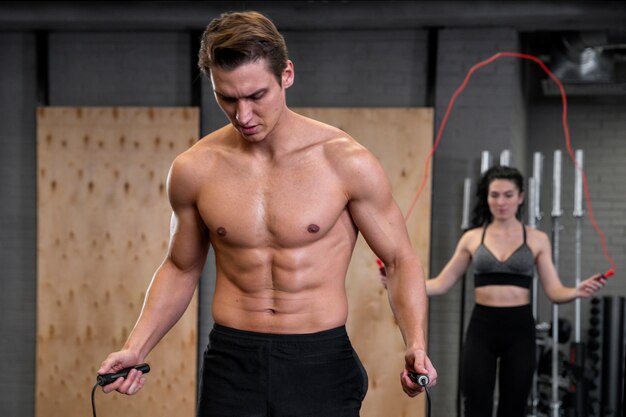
[18,222]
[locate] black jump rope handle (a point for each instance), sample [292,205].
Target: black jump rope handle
[419,379]
[106,379]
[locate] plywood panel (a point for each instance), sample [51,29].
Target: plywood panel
[103,223]
[401,139]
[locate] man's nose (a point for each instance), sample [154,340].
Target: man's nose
[244,112]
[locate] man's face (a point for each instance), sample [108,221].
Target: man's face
[251,97]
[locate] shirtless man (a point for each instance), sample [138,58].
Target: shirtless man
[281,198]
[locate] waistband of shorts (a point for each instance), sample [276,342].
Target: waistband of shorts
[337,332]
[491,312]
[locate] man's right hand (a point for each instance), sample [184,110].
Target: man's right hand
[117,361]
[418,362]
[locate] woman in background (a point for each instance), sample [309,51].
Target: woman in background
[503,253]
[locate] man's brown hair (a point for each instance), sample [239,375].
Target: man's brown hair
[238,38]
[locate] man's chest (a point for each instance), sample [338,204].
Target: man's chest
[289,209]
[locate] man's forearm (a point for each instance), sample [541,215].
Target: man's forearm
[409,303]
[167,299]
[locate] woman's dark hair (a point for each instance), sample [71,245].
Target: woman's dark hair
[481,214]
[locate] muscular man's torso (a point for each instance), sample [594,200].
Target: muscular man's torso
[281,232]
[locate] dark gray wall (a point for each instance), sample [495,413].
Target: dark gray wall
[353,68]
[119,69]
[346,54]
[18,222]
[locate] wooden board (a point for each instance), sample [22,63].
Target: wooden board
[401,138]
[103,226]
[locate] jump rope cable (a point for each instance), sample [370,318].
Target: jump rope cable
[106,379]
[568,144]
[93,401]
[570,152]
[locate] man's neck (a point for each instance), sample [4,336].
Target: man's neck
[282,140]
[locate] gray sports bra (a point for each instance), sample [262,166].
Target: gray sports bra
[516,270]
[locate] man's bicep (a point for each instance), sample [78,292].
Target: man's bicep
[379,218]
[370,202]
[189,241]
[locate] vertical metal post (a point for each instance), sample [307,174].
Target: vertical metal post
[556,214]
[532,222]
[505,158]
[535,192]
[534,216]
[485,161]
[534,212]
[465,224]
[537,175]
[578,214]
[577,348]
[532,207]
[467,190]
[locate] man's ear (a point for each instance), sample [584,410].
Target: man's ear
[288,75]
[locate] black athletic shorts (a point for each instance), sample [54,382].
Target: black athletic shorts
[248,374]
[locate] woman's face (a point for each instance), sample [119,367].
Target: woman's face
[504,199]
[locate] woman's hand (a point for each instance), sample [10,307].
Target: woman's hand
[590,286]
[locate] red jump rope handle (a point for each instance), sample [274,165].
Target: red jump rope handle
[381,267]
[608,274]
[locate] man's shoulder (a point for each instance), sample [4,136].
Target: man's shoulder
[198,158]
[214,139]
[316,130]
[336,142]
[203,147]
[347,155]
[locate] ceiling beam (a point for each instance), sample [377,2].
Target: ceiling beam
[314,15]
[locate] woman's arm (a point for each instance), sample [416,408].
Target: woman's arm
[454,269]
[550,281]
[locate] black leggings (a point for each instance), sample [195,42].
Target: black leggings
[507,334]
[249,374]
